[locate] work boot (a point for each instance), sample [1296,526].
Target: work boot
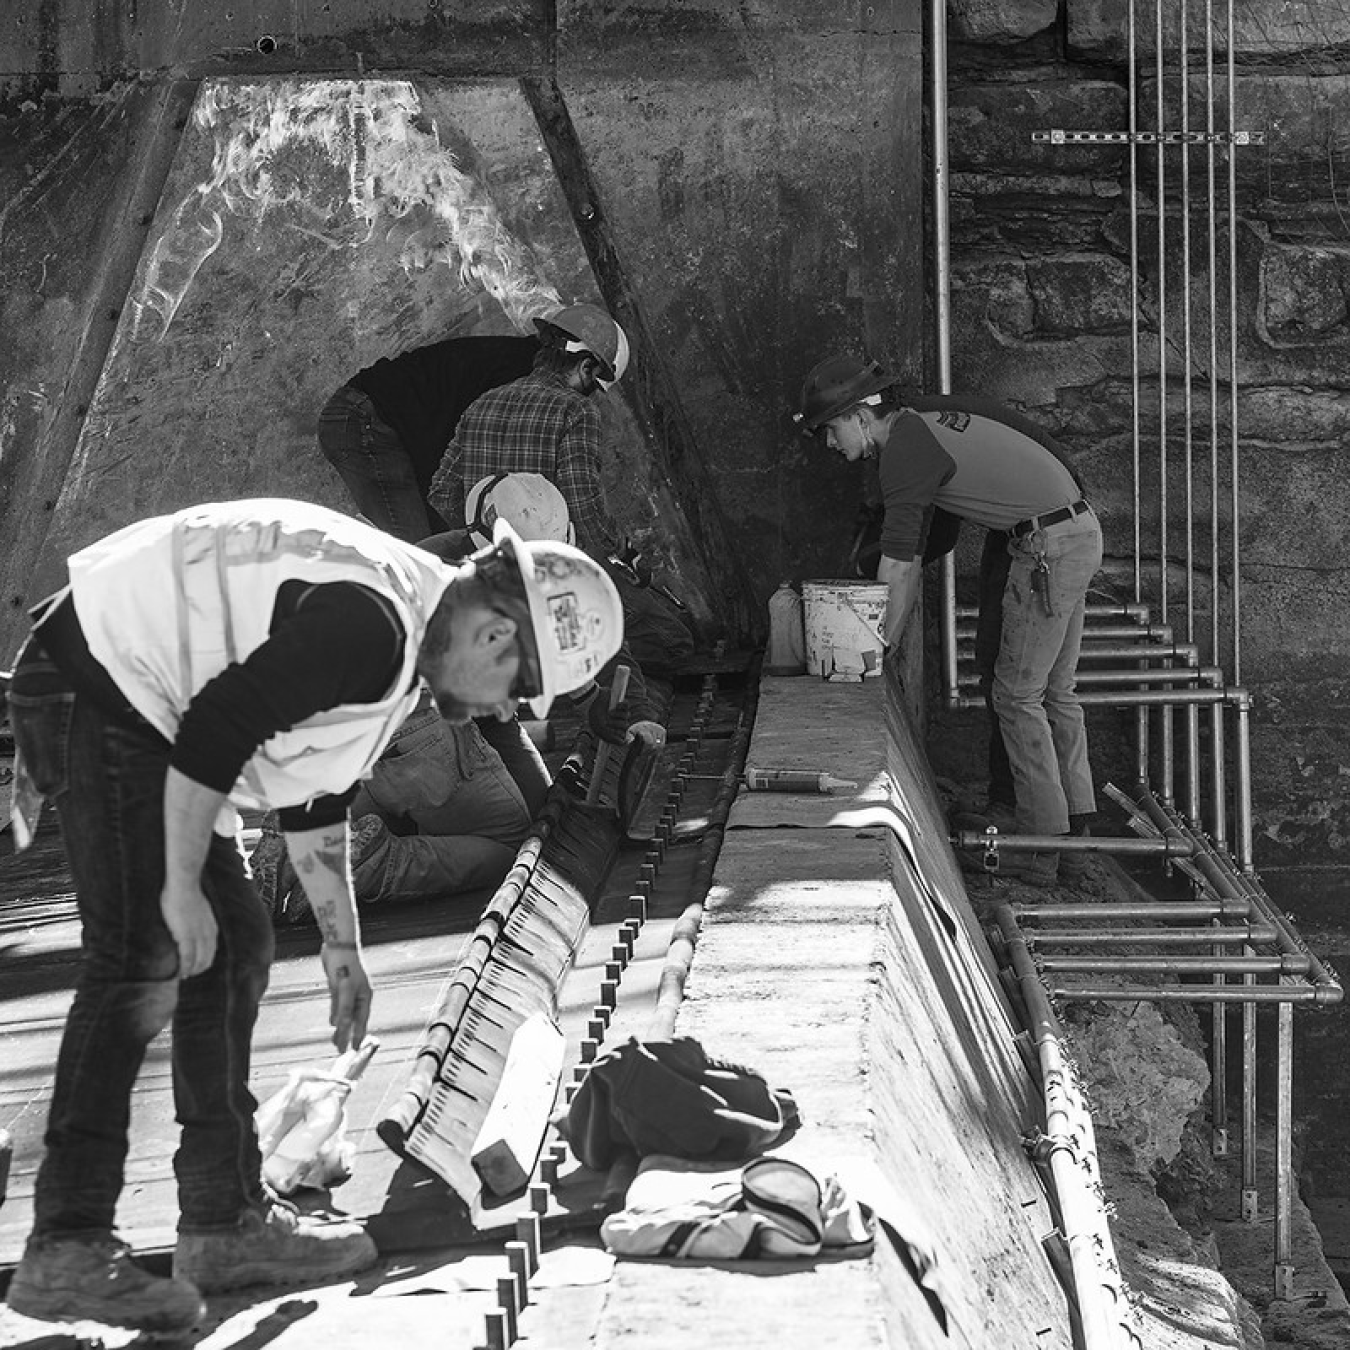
[275,1244]
[271,867]
[1001,815]
[368,835]
[73,1279]
[1073,866]
[1035,869]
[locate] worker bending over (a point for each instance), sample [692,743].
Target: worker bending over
[986,464]
[243,654]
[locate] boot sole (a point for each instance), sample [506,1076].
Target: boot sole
[292,1273]
[73,1307]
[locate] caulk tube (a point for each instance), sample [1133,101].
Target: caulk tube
[792,780]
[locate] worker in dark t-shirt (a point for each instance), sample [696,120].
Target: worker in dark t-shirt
[981,462]
[386,429]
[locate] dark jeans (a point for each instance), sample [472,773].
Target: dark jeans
[106,779]
[995,561]
[655,632]
[378,472]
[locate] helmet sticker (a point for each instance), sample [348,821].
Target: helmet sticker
[565,616]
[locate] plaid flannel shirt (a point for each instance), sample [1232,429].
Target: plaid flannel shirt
[533,425]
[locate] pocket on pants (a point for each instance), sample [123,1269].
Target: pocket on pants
[41,727]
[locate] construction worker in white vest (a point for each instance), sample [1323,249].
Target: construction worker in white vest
[246,654]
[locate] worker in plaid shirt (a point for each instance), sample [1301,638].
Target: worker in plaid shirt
[547,423]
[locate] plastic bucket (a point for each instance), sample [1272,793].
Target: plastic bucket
[845,625]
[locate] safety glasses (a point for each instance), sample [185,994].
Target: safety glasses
[499,571]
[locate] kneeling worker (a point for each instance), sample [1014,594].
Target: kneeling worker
[254,654]
[986,464]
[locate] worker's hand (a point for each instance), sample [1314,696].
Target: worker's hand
[189,918]
[606,723]
[652,733]
[348,992]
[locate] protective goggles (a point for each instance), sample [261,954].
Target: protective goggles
[499,570]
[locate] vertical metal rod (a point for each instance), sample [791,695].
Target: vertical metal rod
[1161,263]
[1219,1067]
[1141,717]
[1167,779]
[1218,753]
[1135,452]
[1250,1207]
[1236,606]
[1188,411]
[1284,1178]
[1242,808]
[1212,272]
[937,11]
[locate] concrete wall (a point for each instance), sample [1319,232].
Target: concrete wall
[738,183]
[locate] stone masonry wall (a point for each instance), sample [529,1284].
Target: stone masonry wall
[1042,299]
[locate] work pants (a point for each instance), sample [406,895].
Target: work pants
[1033,688]
[106,778]
[378,472]
[456,816]
[993,579]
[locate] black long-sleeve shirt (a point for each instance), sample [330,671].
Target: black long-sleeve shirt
[329,645]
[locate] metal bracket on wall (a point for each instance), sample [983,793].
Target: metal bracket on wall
[1058,136]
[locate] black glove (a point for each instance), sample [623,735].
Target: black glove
[606,723]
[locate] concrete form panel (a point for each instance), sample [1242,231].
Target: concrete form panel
[765,195]
[307,228]
[79,47]
[79,184]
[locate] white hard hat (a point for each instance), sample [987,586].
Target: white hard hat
[575,615]
[587,328]
[528,502]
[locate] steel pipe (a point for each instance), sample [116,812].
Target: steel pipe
[1071,843]
[1167,937]
[1164,909]
[1192,993]
[1284,1170]
[1177,965]
[1070,1144]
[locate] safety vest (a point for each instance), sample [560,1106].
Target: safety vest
[166,604]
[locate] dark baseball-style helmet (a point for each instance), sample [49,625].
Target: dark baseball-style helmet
[835,385]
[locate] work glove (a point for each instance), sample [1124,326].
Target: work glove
[606,723]
[652,733]
[634,566]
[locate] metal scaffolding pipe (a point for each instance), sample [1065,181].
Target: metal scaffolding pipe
[1284,1169]
[1125,675]
[1192,993]
[1220,875]
[1072,843]
[1164,937]
[1177,965]
[1236,909]
[942,269]
[1103,1308]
